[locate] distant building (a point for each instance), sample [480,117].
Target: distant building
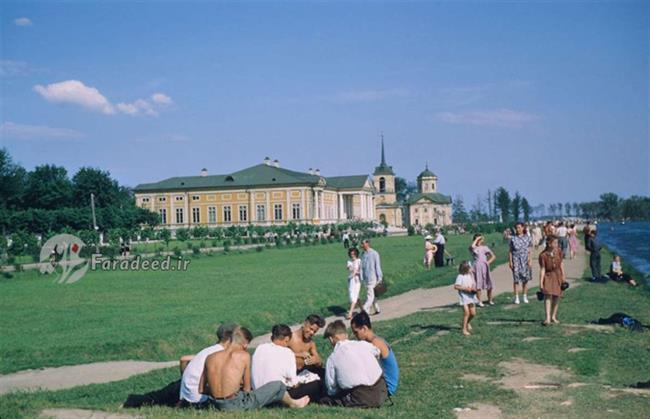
[267,194]
[264,194]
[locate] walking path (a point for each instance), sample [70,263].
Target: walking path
[391,308]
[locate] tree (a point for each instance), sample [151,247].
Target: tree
[503,204]
[88,180]
[609,205]
[13,180]
[459,214]
[576,209]
[516,206]
[48,187]
[552,209]
[526,209]
[165,235]
[559,209]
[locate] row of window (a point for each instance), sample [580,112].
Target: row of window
[296,213]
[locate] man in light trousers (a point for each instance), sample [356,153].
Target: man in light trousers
[371,274]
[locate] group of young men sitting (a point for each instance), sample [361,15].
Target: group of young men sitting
[286,371]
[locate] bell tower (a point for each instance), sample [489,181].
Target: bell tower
[384,180]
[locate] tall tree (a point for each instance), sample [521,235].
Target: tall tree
[88,180]
[526,209]
[12,182]
[516,206]
[503,203]
[48,187]
[567,209]
[559,209]
[459,213]
[609,205]
[552,209]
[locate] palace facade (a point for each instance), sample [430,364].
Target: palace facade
[267,194]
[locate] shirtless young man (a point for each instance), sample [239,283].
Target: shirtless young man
[228,377]
[302,344]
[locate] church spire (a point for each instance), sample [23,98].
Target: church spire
[383,168]
[383,156]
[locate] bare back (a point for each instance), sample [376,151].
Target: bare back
[227,372]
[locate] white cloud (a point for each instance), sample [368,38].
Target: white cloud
[460,96]
[75,92]
[37,132]
[23,21]
[161,99]
[370,95]
[506,118]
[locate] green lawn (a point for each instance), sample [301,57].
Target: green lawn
[161,315]
[432,364]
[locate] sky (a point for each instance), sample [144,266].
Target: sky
[550,99]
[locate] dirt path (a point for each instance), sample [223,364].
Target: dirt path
[391,308]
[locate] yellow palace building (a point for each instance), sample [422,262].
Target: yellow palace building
[264,194]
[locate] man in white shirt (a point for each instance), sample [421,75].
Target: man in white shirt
[353,376]
[189,392]
[561,233]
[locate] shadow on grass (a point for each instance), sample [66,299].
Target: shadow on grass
[435,327]
[337,310]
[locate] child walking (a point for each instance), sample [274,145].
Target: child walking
[466,287]
[354,279]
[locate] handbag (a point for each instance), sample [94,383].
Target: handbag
[540,295]
[564,286]
[381,288]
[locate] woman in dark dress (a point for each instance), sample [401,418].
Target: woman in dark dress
[551,277]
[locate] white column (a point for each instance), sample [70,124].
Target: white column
[363,206]
[340,197]
[288,214]
[269,211]
[303,210]
[252,213]
[187,210]
[315,206]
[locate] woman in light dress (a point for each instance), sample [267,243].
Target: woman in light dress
[429,251]
[354,279]
[483,257]
[573,240]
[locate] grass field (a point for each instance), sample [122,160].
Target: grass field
[434,357]
[160,315]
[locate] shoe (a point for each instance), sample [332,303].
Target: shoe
[480,304]
[517,299]
[491,303]
[526,299]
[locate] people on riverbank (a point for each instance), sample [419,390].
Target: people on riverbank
[551,278]
[573,241]
[520,262]
[466,286]
[616,272]
[562,238]
[594,246]
[483,257]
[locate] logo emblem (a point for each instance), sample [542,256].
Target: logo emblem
[60,256]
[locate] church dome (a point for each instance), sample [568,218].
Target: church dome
[426,173]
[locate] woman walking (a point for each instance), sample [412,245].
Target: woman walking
[429,250]
[551,278]
[354,279]
[520,261]
[483,257]
[573,241]
[439,243]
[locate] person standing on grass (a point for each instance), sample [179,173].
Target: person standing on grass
[593,247]
[586,232]
[466,286]
[354,279]
[429,250]
[520,261]
[551,278]
[562,237]
[371,274]
[573,241]
[536,235]
[483,257]
[439,243]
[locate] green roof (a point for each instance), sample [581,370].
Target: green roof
[384,169]
[261,175]
[436,198]
[426,173]
[347,182]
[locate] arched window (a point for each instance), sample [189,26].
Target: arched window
[382,185]
[382,218]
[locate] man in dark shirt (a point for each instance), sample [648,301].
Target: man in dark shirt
[593,247]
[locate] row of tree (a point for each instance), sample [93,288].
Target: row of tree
[498,206]
[47,200]
[609,207]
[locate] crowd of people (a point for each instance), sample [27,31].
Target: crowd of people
[286,371]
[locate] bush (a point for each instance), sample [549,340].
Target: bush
[215,243]
[182,234]
[226,246]
[227,243]
[196,250]
[110,251]
[202,244]
[7,275]
[411,231]
[177,251]
[259,248]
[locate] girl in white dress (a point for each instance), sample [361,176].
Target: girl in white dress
[354,279]
[466,287]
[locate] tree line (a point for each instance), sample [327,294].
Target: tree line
[498,206]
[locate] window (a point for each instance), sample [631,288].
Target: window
[195,197]
[243,213]
[415,210]
[179,215]
[277,211]
[179,198]
[426,186]
[145,199]
[227,214]
[261,212]
[196,215]
[163,215]
[162,199]
[295,211]
[382,184]
[212,215]
[425,209]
